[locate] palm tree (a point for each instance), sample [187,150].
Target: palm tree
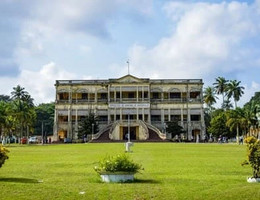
[23,114]
[209,98]
[221,86]
[18,93]
[235,90]
[238,119]
[2,116]
[227,105]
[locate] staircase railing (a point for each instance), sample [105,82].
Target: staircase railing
[114,124]
[99,133]
[145,127]
[160,134]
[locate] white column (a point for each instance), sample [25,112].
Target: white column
[142,93]
[96,95]
[114,94]
[189,124]
[108,93]
[69,132]
[182,117]
[202,125]
[108,116]
[162,119]
[55,127]
[120,93]
[137,95]
[76,124]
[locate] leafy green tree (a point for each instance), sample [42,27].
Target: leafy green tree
[227,104]
[44,116]
[22,110]
[209,97]
[86,124]
[235,90]
[24,115]
[253,108]
[5,98]
[3,116]
[3,155]
[253,155]
[6,121]
[221,87]
[174,128]
[218,124]
[18,93]
[238,121]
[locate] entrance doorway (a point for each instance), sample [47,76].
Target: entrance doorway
[62,134]
[132,133]
[196,135]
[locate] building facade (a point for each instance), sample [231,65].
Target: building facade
[140,106]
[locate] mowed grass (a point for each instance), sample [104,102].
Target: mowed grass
[172,171]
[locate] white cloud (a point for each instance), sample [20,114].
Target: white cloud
[39,84]
[249,92]
[209,40]
[206,37]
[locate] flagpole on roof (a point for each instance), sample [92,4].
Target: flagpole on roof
[128,66]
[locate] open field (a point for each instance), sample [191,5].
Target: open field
[172,171]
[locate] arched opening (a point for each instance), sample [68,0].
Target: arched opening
[196,135]
[62,134]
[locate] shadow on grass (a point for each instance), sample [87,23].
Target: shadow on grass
[19,180]
[150,181]
[139,181]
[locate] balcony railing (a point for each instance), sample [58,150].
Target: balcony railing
[177,100]
[129,100]
[153,100]
[102,100]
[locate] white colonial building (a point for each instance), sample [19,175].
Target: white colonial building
[146,105]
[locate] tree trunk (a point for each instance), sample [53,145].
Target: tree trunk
[237,134]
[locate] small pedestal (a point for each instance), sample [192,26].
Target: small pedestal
[128,146]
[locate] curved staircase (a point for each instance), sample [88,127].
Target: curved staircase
[153,134]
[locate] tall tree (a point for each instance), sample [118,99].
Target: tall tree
[45,116]
[227,104]
[218,124]
[18,93]
[174,128]
[253,109]
[5,98]
[88,125]
[23,114]
[3,116]
[221,86]
[209,97]
[237,120]
[235,90]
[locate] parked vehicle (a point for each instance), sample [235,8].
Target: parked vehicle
[67,140]
[24,140]
[33,140]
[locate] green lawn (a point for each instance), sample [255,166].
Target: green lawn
[172,171]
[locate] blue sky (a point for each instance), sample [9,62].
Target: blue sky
[42,41]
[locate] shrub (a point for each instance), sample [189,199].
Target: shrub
[253,155]
[119,164]
[3,155]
